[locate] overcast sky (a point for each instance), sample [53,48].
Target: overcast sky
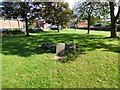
[71,2]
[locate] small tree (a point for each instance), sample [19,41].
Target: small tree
[56,13]
[74,20]
[85,10]
[65,14]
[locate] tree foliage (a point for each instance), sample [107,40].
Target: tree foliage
[74,20]
[86,10]
[57,13]
[24,10]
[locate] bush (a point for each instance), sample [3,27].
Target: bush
[98,25]
[48,47]
[36,30]
[8,32]
[14,29]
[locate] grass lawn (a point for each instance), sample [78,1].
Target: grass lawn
[24,65]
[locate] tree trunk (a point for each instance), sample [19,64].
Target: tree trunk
[75,27]
[26,24]
[61,27]
[18,24]
[113,30]
[88,23]
[113,21]
[10,23]
[58,28]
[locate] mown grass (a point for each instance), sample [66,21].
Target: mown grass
[24,65]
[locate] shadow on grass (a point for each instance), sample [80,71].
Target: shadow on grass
[27,46]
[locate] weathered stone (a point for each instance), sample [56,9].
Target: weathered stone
[60,49]
[46,45]
[70,47]
[60,57]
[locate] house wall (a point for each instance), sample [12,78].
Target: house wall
[82,24]
[40,24]
[79,24]
[11,24]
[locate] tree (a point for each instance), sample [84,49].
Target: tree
[94,20]
[19,10]
[86,10]
[74,20]
[113,19]
[65,14]
[56,13]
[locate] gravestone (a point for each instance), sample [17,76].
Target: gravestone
[60,49]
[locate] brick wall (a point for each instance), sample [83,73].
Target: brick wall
[82,24]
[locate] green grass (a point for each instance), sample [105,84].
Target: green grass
[24,65]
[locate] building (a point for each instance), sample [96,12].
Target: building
[82,24]
[14,23]
[10,23]
[41,23]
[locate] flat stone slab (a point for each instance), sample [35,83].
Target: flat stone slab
[59,58]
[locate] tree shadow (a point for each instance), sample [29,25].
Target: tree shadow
[27,46]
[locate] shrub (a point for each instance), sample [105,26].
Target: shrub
[14,29]
[36,30]
[9,32]
[98,25]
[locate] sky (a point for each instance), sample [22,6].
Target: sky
[71,2]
